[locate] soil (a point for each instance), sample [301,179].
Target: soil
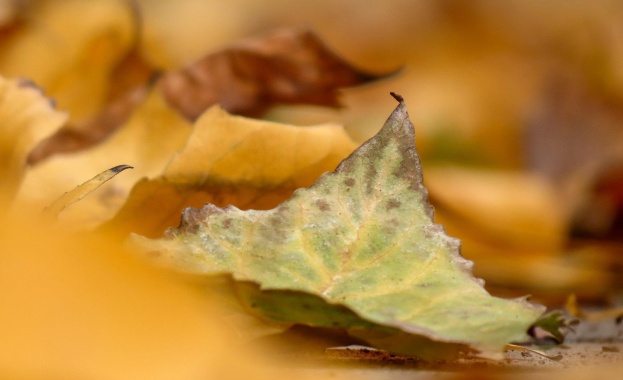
[593,351]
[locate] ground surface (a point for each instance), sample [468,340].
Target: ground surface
[594,350]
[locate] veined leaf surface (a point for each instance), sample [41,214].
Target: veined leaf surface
[362,237]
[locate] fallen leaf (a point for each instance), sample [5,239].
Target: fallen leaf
[131,85]
[83,190]
[147,141]
[247,78]
[233,160]
[176,34]
[70,48]
[525,246]
[78,306]
[26,117]
[133,71]
[361,248]
[285,66]
[555,324]
[11,11]
[575,139]
[614,313]
[76,137]
[533,218]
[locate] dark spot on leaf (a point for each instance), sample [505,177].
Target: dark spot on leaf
[394,222]
[392,203]
[389,231]
[192,218]
[350,182]
[275,221]
[410,169]
[371,173]
[227,223]
[323,205]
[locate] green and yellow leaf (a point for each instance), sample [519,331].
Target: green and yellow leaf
[361,245]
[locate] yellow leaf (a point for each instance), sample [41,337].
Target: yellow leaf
[146,142]
[233,160]
[26,117]
[70,47]
[77,306]
[83,190]
[175,34]
[514,226]
[517,208]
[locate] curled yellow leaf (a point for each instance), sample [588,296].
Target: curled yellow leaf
[26,117]
[70,47]
[83,190]
[146,141]
[233,160]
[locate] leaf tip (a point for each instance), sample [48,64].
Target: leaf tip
[120,168]
[398,97]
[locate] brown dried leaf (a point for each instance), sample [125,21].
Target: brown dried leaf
[247,78]
[285,66]
[11,12]
[76,137]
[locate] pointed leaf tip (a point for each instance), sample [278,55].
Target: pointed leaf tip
[83,190]
[119,168]
[398,97]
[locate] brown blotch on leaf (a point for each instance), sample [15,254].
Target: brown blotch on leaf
[227,223]
[392,204]
[323,205]
[371,173]
[192,218]
[350,182]
[394,222]
[276,221]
